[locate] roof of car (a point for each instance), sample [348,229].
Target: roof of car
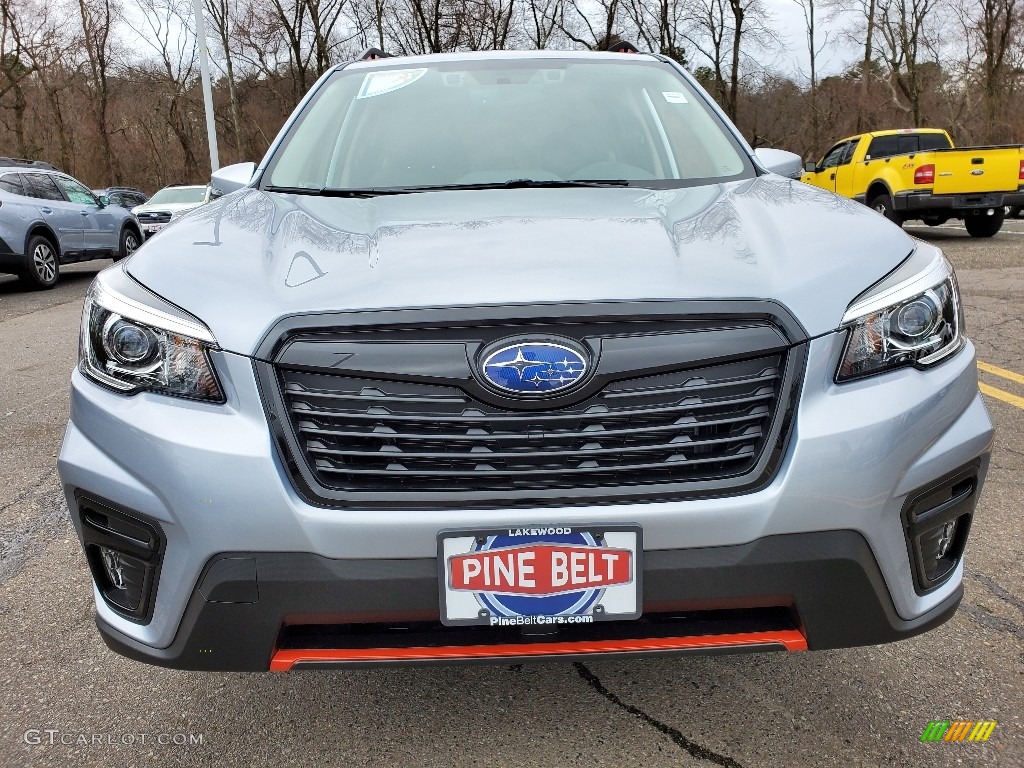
[494,55]
[16,163]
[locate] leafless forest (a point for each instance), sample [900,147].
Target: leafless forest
[109,90]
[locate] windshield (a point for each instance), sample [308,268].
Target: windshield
[470,122]
[174,195]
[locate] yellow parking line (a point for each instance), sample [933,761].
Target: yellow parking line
[998,394]
[995,369]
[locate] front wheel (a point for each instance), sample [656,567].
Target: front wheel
[42,269]
[128,245]
[981,225]
[883,204]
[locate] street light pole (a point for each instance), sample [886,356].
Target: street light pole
[204,69]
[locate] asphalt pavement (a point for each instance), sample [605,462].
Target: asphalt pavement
[67,701]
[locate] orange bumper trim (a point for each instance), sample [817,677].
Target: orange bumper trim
[790,639]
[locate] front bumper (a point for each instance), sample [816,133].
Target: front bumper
[824,540]
[396,598]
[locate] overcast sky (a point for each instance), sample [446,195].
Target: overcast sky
[788,22]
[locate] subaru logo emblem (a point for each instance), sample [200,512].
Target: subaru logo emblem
[534,367]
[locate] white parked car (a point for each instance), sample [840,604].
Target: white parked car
[168,204]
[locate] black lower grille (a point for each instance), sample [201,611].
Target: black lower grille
[154,217]
[366,434]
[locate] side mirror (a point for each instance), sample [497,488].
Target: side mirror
[104,201]
[232,177]
[810,167]
[779,161]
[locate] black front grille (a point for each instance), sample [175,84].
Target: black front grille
[154,217]
[372,435]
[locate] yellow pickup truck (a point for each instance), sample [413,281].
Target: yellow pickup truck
[918,174]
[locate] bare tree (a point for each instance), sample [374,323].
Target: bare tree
[810,9]
[723,29]
[162,22]
[903,28]
[592,24]
[994,27]
[98,18]
[49,54]
[220,11]
[660,24]
[488,24]
[540,21]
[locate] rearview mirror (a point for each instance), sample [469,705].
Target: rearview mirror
[810,166]
[779,161]
[104,201]
[232,177]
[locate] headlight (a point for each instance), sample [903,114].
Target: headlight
[134,341]
[913,317]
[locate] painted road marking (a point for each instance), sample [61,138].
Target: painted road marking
[998,394]
[995,369]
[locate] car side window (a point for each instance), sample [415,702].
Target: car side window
[931,141]
[76,192]
[883,146]
[851,147]
[834,156]
[41,186]
[909,144]
[12,183]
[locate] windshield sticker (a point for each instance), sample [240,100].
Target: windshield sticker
[377,83]
[673,97]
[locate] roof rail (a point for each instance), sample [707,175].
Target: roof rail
[370,54]
[26,163]
[623,46]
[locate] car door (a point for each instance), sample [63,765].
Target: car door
[824,175]
[843,172]
[833,160]
[99,224]
[63,217]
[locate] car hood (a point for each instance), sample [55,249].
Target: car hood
[242,263]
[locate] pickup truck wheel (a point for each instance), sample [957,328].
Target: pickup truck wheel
[42,264]
[984,226]
[884,205]
[935,221]
[1013,211]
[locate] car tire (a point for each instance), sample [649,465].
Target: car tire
[984,226]
[883,204]
[935,221]
[130,242]
[42,267]
[1013,211]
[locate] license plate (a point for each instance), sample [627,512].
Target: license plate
[152,229]
[540,575]
[978,201]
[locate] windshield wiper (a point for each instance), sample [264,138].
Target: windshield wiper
[510,184]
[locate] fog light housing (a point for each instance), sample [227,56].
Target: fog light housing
[937,521]
[124,552]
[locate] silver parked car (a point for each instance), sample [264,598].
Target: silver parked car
[513,356]
[48,218]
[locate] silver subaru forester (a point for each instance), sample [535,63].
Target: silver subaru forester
[520,356]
